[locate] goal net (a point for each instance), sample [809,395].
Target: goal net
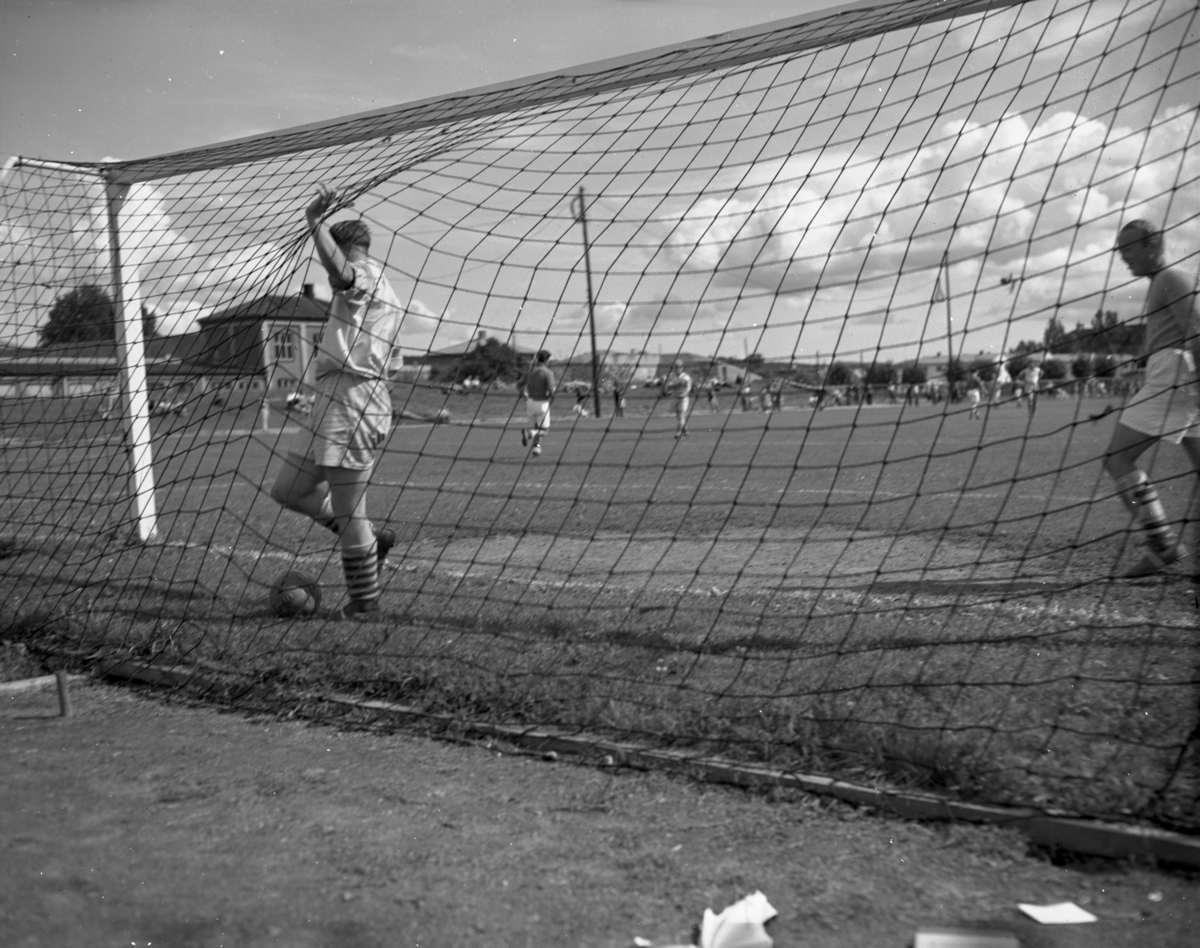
[871,544]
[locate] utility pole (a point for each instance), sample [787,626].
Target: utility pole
[580,210]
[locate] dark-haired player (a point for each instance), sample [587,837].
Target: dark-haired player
[328,465]
[1167,406]
[539,393]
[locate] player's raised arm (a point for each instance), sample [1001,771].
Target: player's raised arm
[332,257]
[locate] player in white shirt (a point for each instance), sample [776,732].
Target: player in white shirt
[1031,384]
[328,465]
[679,385]
[1167,406]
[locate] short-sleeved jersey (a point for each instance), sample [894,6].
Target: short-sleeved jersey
[681,385]
[1172,320]
[1031,376]
[363,325]
[539,384]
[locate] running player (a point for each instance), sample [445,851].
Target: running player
[539,393]
[328,465]
[1167,406]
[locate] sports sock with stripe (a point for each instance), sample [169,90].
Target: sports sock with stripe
[360,565]
[1141,497]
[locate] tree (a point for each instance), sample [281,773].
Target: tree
[490,360]
[839,374]
[87,314]
[1056,337]
[986,369]
[1111,335]
[880,373]
[1054,369]
[914,375]
[1106,334]
[1016,365]
[955,371]
[754,362]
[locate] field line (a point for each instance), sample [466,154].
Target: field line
[1021,608]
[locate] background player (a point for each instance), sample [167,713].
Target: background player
[679,384]
[1031,384]
[710,392]
[974,386]
[1167,406]
[329,463]
[539,393]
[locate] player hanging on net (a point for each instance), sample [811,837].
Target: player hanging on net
[1167,406]
[329,463]
[539,393]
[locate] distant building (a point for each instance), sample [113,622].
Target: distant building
[268,343]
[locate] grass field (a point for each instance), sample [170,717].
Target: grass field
[897,592]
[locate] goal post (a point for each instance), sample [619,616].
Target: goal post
[123,280]
[131,358]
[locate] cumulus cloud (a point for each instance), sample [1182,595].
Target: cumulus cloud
[145,232]
[1037,198]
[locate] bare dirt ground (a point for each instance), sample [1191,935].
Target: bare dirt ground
[149,821]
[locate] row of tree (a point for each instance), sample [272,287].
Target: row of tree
[87,314]
[1106,335]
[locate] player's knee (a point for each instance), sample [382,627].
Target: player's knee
[281,492]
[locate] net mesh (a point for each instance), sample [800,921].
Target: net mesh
[846,565]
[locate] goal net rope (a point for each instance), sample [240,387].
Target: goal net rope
[881,548]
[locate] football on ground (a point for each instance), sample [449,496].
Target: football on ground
[295,593]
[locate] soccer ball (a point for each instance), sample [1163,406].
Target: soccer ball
[295,593]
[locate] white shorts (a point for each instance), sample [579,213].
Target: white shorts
[974,395]
[539,413]
[350,419]
[681,405]
[1167,406]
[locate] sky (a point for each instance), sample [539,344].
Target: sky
[825,207]
[82,80]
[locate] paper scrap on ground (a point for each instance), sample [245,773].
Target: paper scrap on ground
[739,926]
[1061,913]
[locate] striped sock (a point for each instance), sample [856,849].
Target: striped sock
[1141,497]
[360,565]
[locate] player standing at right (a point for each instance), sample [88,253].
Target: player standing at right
[1167,406]
[539,393]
